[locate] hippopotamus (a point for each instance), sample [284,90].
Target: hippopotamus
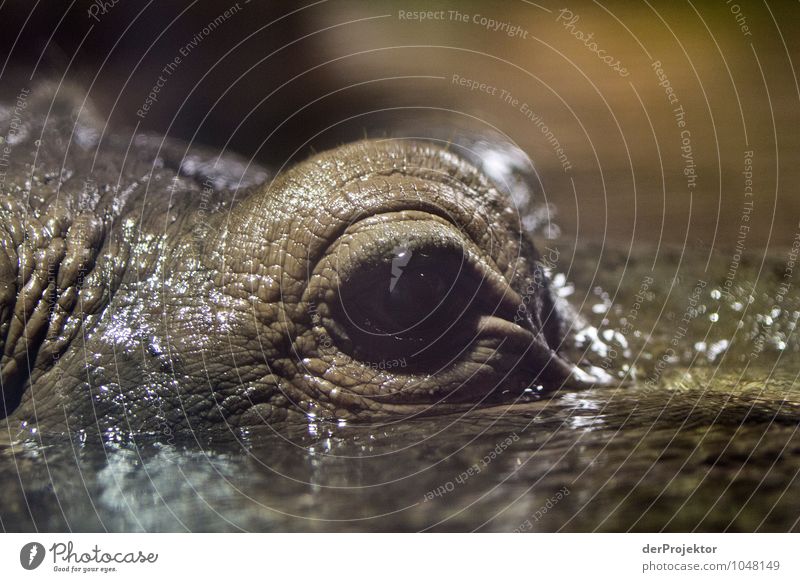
[150,285]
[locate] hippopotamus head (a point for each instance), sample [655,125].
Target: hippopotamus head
[173,288]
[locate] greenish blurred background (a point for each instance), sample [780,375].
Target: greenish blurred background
[276,80]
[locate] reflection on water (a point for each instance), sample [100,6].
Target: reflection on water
[705,438]
[680,459]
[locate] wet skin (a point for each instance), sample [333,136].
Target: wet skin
[147,285]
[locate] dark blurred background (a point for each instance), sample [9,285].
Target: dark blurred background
[276,80]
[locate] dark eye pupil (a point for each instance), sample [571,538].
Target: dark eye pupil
[416,293]
[412,295]
[412,299]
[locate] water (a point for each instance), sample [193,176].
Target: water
[700,434]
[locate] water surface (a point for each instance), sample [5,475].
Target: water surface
[700,433]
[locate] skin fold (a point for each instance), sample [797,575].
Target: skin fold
[150,286]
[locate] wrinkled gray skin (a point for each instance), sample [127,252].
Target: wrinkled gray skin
[151,288]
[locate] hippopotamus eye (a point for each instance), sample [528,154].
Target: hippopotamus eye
[407,302]
[421,289]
